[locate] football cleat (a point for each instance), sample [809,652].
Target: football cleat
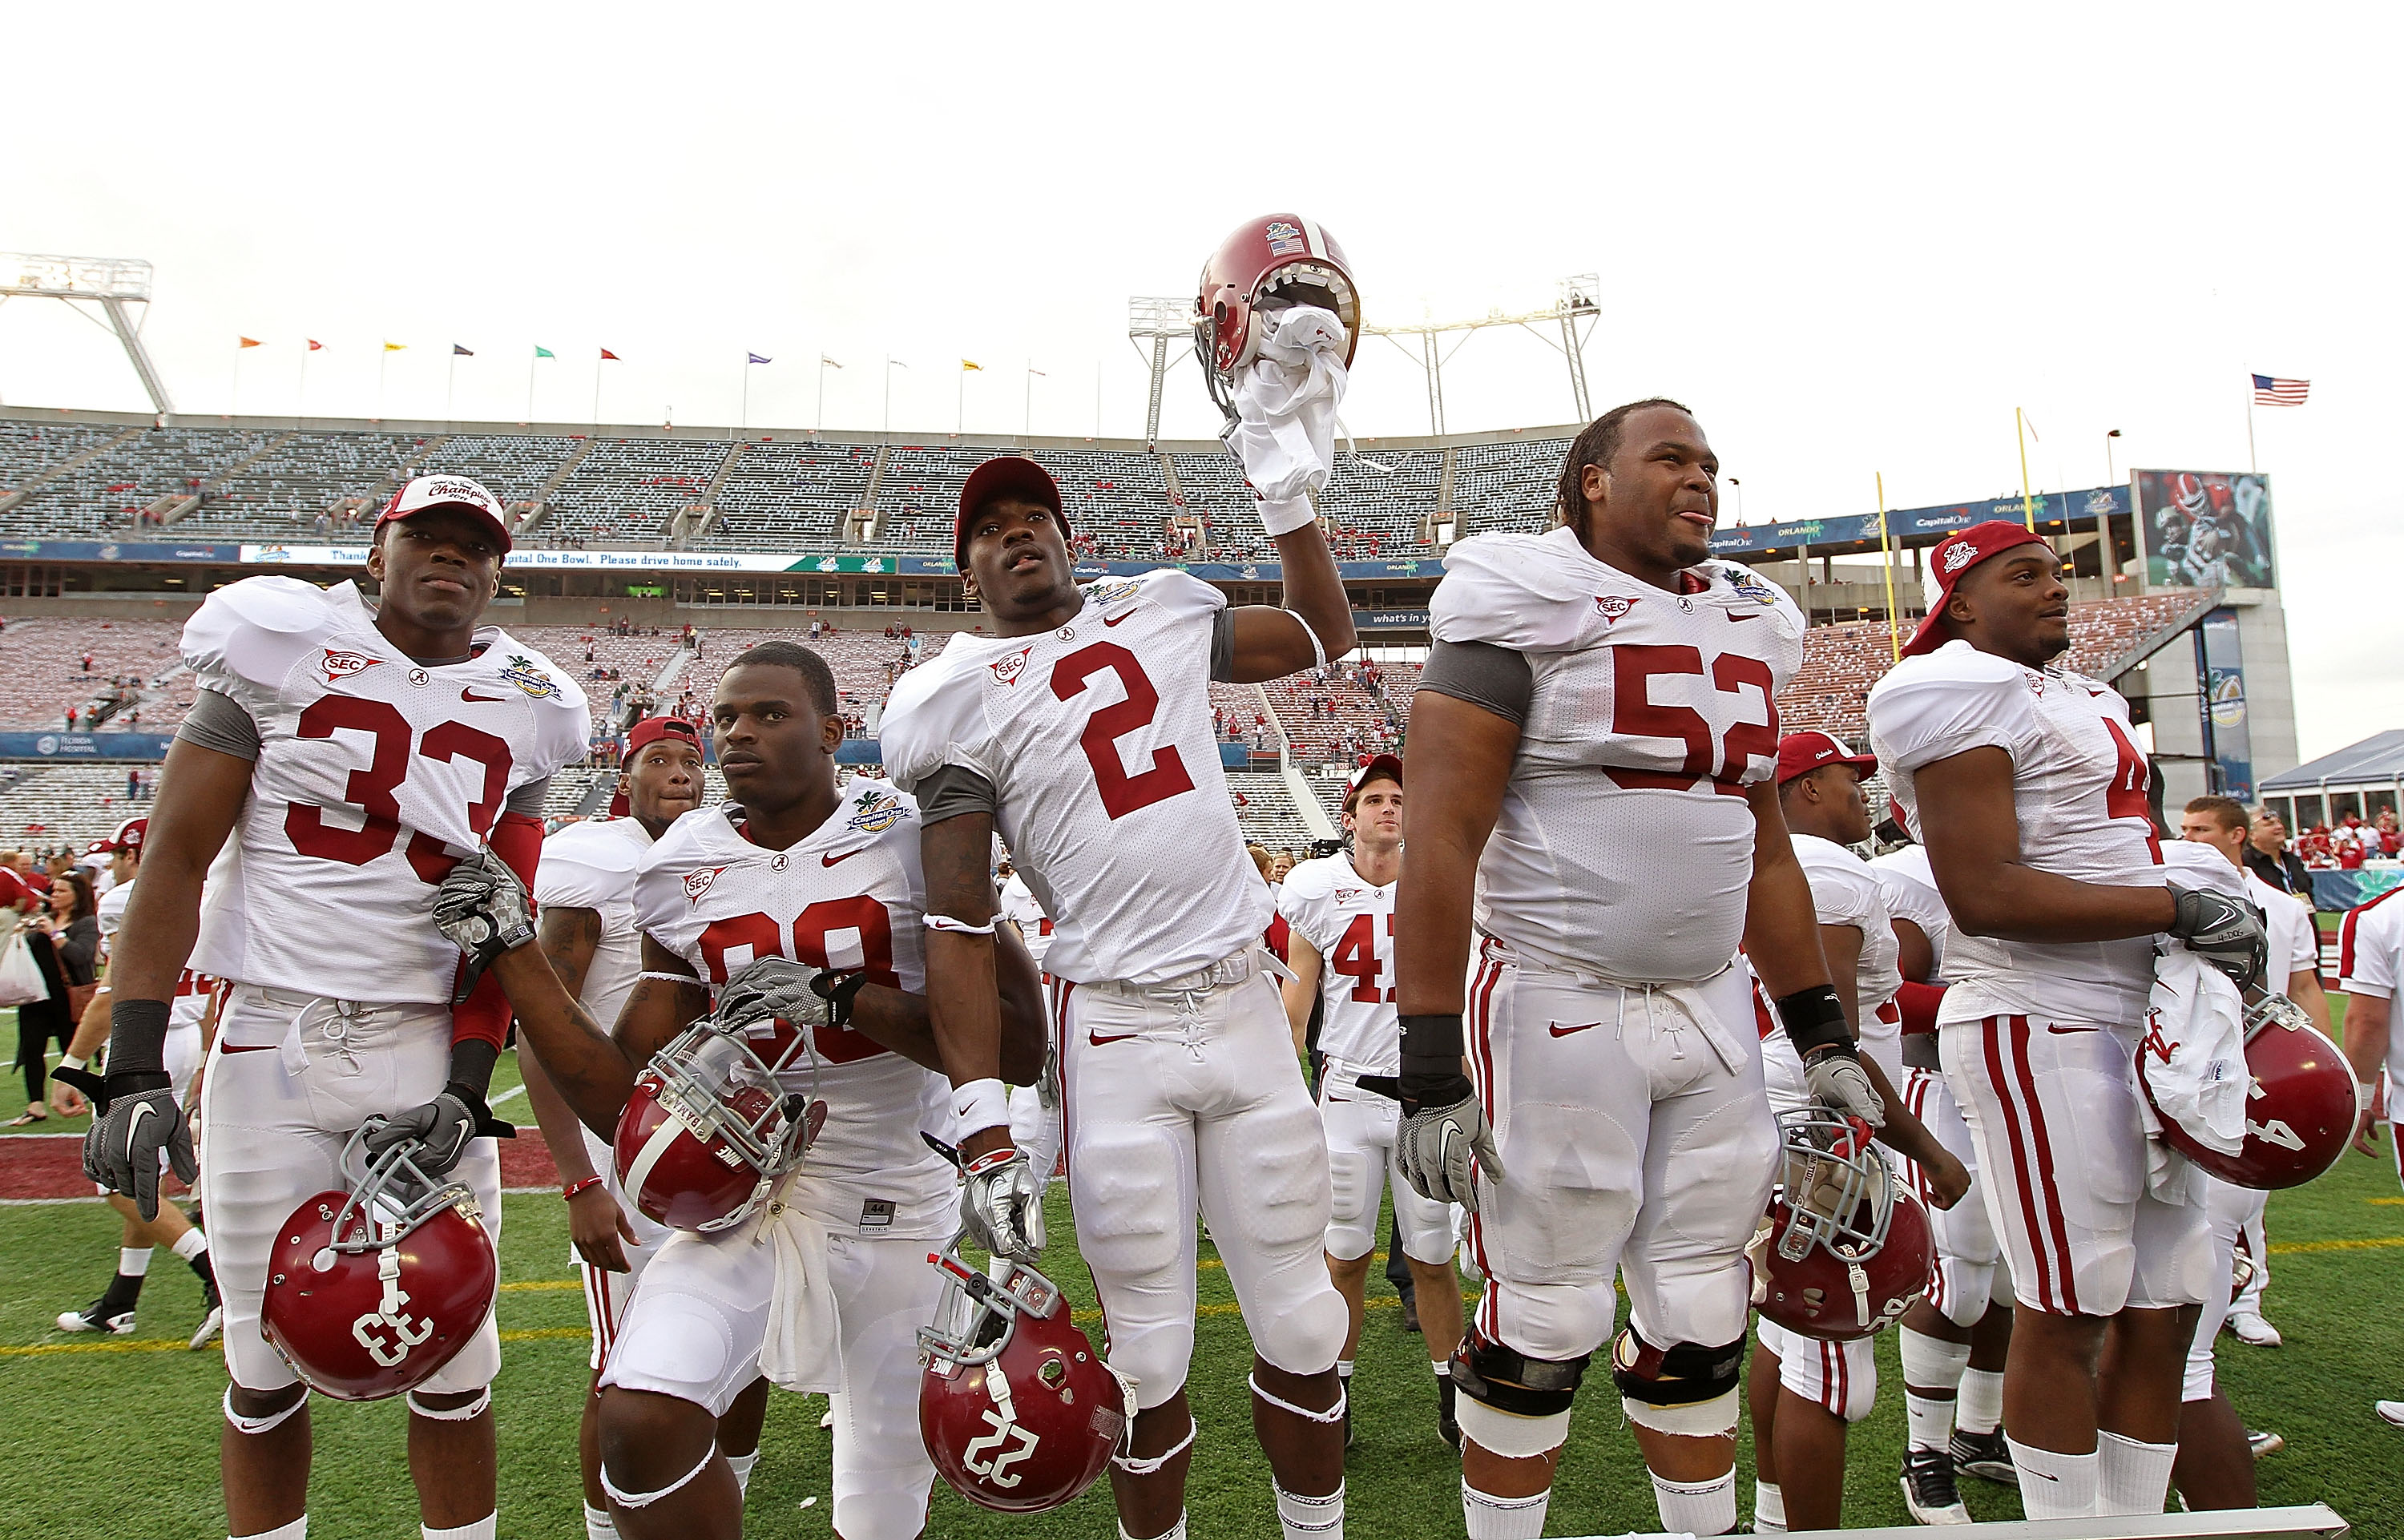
[1928,1489]
[100,1315]
[1986,1456]
[2253,1330]
[2263,1443]
[1845,1248]
[2390,1412]
[1447,1425]
[212,1315]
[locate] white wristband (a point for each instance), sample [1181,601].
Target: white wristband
[979,1104]
[957,927]
[1286,516]
[68,1061]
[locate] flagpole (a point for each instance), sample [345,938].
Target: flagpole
[2251,464]
[450,384]
[2028,505]
[300,400]
[1026,389]
[960,403]
[746,393]
[530,363]
[1886,557]
[235,410]
[383,359]
[596,394]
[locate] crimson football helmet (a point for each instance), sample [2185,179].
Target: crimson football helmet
[708,1130]
[2299,1111]
[1845,1248]
[1268,264]
[1018,1411]
[371,1290]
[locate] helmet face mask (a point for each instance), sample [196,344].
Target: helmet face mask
[710,1129]
[1844,1249]
[1267,266]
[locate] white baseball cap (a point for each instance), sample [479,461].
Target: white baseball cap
[423,492]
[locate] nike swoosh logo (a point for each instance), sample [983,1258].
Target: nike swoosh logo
[1113,620]
[2042,1476]
[1747,615]
[837,860]
[134,1127]
[466,1127]
[471,695]
[1096,1038]
[1560,1031]
[2065,1031]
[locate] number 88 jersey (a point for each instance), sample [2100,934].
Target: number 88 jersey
[374,775]
[1625,843]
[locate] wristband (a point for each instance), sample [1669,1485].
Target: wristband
[1285,516]
[979,1104]
[2367,1090]
[137,1034]
[990,1160]
[69,1061]
[1814,1019]
[582,1185]
[957,927]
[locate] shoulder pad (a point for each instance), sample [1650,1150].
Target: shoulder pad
[1181,593]
[253,631]
[1512,591]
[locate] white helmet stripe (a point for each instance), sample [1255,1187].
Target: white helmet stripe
[1311,238]
[647,1156]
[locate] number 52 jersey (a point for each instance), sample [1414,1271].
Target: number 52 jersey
[374,775]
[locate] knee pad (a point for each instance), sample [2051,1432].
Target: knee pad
[1968,1289]
[1508,1380]
[1686,1389]
[1304,1333]
[252,1427]
[467,1413]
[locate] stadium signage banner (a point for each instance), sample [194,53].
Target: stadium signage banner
[532,559]
[123,551]
[84,745]
[1390,620]
[1905,523]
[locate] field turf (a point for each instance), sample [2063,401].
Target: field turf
[117,1436]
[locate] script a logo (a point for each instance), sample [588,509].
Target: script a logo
[1008,669]
[339,665]
[987,1454]
[697,882]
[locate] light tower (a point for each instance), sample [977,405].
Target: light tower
[110,281]
[1159,322]
[1573,314]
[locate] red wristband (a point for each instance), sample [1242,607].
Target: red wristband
[573,1188]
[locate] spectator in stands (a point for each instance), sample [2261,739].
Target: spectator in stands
[2391,839]
[64,943]
[71,719]
[2267,856]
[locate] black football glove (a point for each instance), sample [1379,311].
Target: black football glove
[2223,931]
[133,1119]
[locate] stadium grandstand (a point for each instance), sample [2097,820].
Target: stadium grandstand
[648,559]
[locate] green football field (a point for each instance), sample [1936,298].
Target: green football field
[118,1437]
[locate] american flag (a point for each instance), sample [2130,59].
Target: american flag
[2272,392]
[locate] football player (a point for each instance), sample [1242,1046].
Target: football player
[585,887]
[1590,760]
[188,1025]
[789,869]
[1805,1393]
[1034,1110]
[343,757]
[1082,733]
[1339,913]
[1955,1339]
[2026,784]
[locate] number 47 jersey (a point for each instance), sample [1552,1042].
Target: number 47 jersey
[374,775]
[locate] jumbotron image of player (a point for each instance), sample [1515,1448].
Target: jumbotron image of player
[350,755]
[2024,781]
[1082,732]
[1590,754]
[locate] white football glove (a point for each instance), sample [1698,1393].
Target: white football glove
[1001,1205]
[1838,1082]
[483,909]
[1435,1147]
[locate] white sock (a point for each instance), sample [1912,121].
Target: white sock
[483,1529]
[1344,1369]
[1309,1517]
[1174,1532]
[1769,1508]
[1931,1363]
[2133,1477]
[190,1244]
[598,1525]
[1980,1408]
[1697,1507]
[2054,1485]
[133,1261]
[297,1530]
[1442,1367]
[741,1466]
[1929,1419]
[1492,1517]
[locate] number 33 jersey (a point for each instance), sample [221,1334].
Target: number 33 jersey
[374,774]
[1096,740]
[850,896]
[1625,843]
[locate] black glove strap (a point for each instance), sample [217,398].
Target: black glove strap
[1814,1019]
[471,1098]
[1431,1071]
[104,1090]
[137,1036]
[838,990]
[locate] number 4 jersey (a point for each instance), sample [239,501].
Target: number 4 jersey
[374,773]
[1096,742]
[1350,924]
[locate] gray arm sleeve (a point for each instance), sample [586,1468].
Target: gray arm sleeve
[214,721]
[1494,678]
[528,799]
[1222,646]
[955,789]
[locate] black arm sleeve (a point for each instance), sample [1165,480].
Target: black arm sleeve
[1493,678]
[214,721]
[1222,646]
[953,791]
[528,799]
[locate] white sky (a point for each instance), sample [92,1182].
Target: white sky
[1852,241]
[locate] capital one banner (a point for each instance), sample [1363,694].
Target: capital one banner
[2202,527]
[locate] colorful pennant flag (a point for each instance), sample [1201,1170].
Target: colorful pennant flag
[827,362]
[458,352]
[611,356]
[754,358]
[396,347]
[248,342]
[540,352]
[966,365]
[316,346]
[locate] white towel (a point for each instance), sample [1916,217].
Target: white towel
[800,1351]
[2194,1049]
[1286,402]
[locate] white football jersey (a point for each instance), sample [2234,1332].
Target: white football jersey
[2078,789]
[1846,891]
[374,775]
[1625,843]
[1022,908]
[1352,925]
[849,896]
[1911,894]
[592,865]
[2370,959]
[2293,934]
[1096,740]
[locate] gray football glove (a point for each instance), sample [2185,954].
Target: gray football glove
[1435,1147]
[2223,931]
[441,1128]
[1838,1082]
[134,1118]
[483,910]
[772,988]
[1001,1205]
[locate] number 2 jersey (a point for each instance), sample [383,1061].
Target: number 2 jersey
[374,773]
[849,896]
[1350,923]
[2078,791]
[1625,843]
[1095,741]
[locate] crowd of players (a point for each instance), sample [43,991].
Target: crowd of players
[1628,992]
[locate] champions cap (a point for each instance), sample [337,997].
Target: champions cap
[430,492]
[1949,561]
[1800,753]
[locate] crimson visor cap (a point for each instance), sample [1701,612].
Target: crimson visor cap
[127,838]
[644,733]
[1006,476]
[1800,753]
[1370,767]
[1947,564]
[427,493]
